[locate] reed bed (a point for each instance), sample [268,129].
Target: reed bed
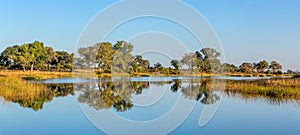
[16,89]
[288,88]
[36,75]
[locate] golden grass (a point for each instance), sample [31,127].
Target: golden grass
[37,75]
[16,89]
[288,88]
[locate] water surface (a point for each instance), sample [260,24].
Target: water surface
[63,110]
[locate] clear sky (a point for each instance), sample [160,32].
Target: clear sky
[249,30]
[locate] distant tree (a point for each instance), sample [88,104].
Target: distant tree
[105,56]
[229,68]
[262,66]
[210,53]
[139,64]
[158,65]
[64,60]
[275,67]
[89,55]
[24,57]
[51,58]
[211,60]
[6,59]
[176,64]
[290,71]
[122,57]
[246,68]
[189,59]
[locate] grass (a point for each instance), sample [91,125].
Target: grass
[16,89]
[36,75]
[288,88]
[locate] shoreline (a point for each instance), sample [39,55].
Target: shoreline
[42,75]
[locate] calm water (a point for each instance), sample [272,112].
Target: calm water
[81,106]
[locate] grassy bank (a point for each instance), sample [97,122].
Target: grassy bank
[36,75]
[288,88]
[18,90]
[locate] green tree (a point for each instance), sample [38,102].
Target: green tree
[64,60]
[31,54]
[88,55]
[262,66]
[139,64]
[51,58]
[189,59]
[122,57]
[105,56]
[176,64]
[211,61]
[246,67]
[275,67]
[6,59]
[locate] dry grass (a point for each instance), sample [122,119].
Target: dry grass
[279,88]
[37,75]
[16,89]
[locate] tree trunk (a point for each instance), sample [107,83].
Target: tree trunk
[23,68]
[31,68]
[49,68]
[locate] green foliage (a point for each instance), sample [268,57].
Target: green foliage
[106,57]
[246,68]
[122,57]
[262,66]
[275,67]
[35,56]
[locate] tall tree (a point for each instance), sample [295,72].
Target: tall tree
[122,57]
[189,59]
[211,60]
[64,60]
[51,58]
[34,53]
[105,56]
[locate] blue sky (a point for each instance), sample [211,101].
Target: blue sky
[249,30]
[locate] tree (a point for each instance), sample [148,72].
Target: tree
[105,56]
[122,57]
[139,64]
[189,60]
[246,68]
[275,67]
[210,53]
[64,60]
[176,64]
[261,66]
[211,60]
[229,68]
[158,65]
[290,71]
[89,55]
[51,58]
[6,59]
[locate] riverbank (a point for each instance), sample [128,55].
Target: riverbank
[279,88]
[34,75]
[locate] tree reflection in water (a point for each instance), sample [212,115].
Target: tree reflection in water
[107,94]
[36,100]
[117,94]
[196,89]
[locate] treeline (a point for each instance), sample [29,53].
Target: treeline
[35,56]
[106,57]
